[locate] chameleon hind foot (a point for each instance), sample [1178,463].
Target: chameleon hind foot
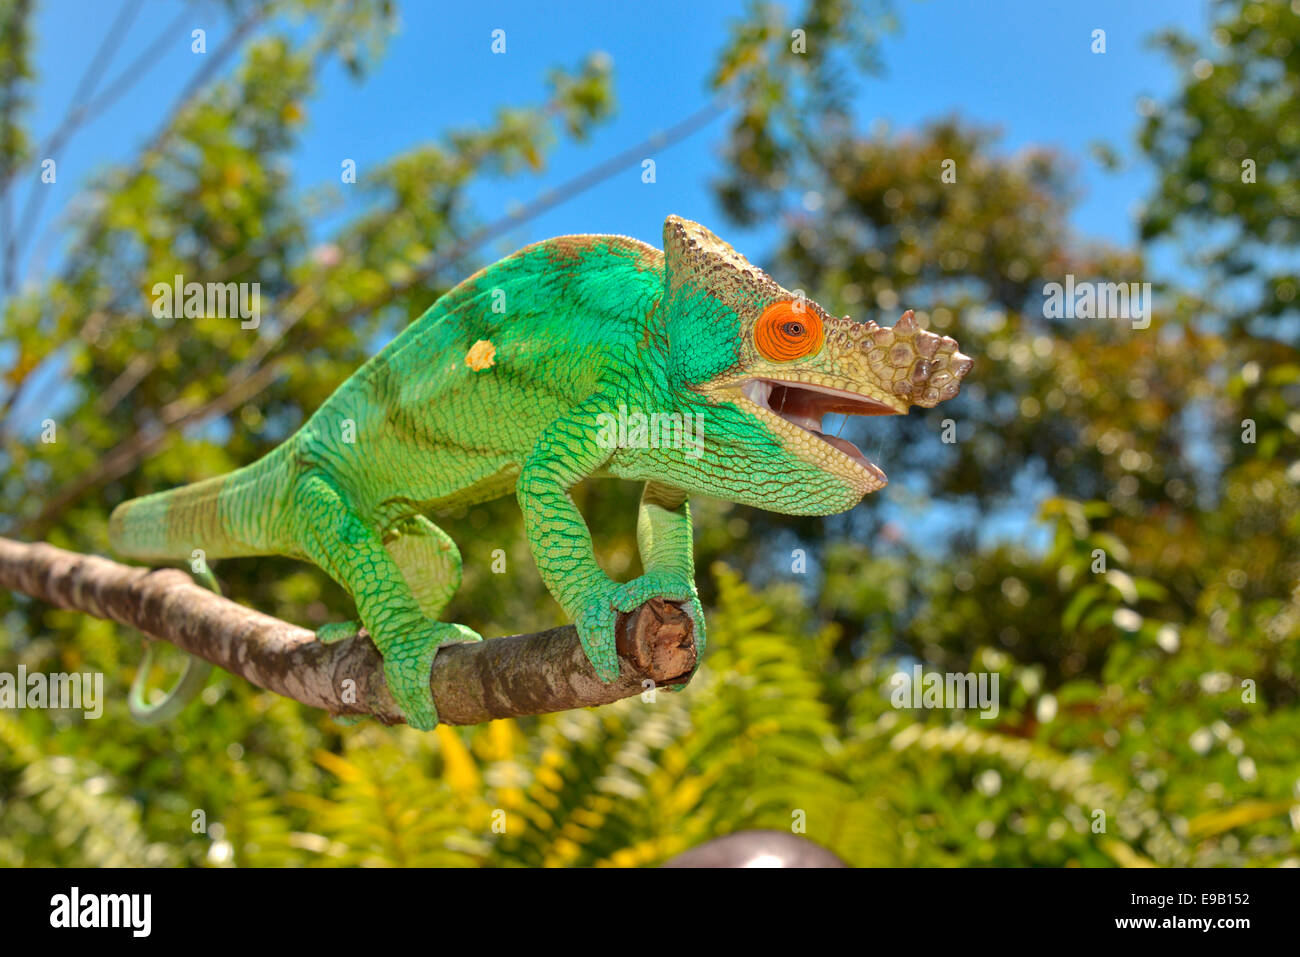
[333,631]
[328,634]
[408,664]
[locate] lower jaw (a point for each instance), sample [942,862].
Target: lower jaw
[827,498]
[842,480]
[829,457]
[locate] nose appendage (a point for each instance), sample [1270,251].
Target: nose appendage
[918,367]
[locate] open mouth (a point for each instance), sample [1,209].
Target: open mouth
[798,407]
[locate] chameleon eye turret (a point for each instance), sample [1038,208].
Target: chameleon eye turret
[787,331]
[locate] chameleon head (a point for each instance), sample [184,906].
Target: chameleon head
[739,337]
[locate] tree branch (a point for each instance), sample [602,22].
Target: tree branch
[471,683]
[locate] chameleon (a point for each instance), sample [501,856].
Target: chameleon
[509,383]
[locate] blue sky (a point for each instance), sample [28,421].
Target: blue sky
[1020,65]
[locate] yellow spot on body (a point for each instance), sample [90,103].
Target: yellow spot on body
[481,355]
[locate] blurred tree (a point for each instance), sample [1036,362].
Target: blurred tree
[1227,148]
[1139,431]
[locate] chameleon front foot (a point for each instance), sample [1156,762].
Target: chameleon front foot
[596,623]
[408,663]
[669,587]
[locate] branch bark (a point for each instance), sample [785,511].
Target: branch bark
[471,683]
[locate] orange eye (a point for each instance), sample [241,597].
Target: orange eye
[786,331]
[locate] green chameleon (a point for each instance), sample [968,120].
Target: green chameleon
[509,382]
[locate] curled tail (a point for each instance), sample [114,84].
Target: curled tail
[186,690]
[226,516]
[235,514]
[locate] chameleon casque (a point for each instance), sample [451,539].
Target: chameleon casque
[499,387]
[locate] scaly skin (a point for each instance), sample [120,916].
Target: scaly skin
[502,385]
